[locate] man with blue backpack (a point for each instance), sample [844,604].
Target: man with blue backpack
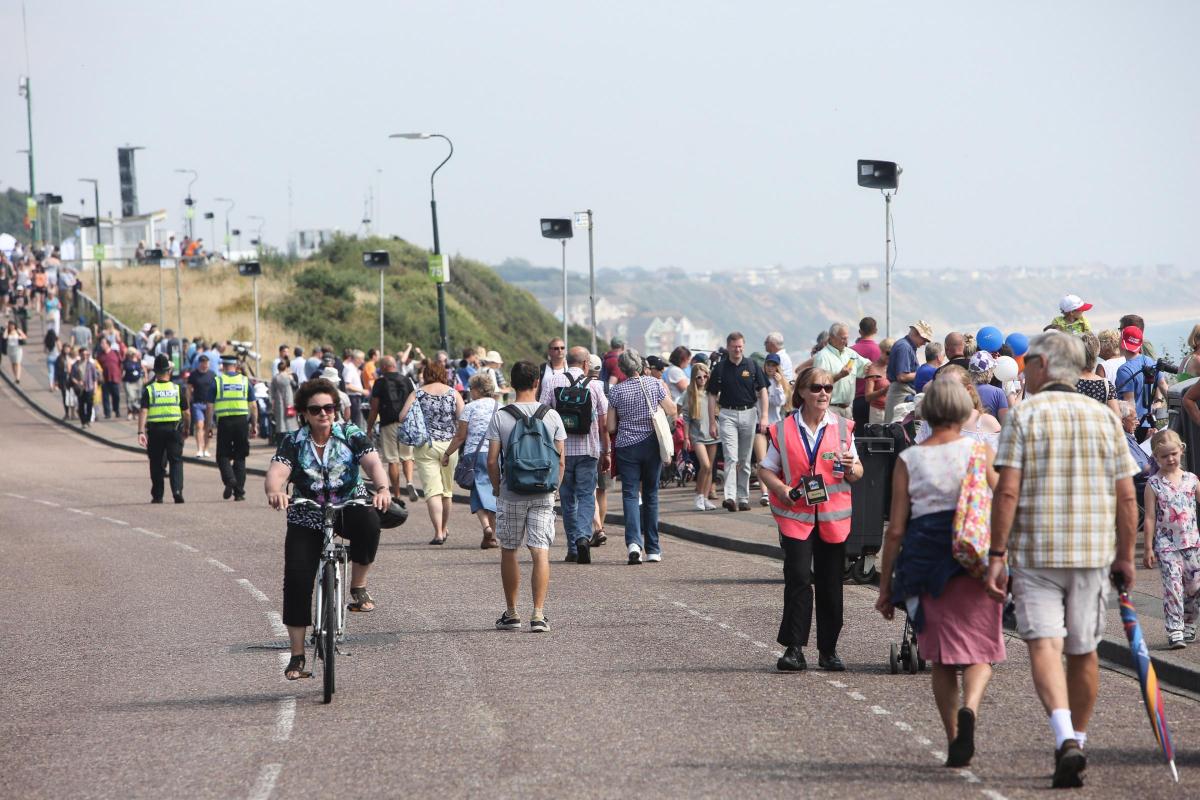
[528,453]
[581,403]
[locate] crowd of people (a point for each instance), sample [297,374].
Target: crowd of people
[1029,459]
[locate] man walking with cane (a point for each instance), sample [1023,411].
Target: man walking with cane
[1065,475]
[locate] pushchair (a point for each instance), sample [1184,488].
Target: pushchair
[682,467]
[906,654]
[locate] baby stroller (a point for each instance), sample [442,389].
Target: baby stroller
[906,654]
[683,465]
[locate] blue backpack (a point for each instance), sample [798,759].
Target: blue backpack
[530,456]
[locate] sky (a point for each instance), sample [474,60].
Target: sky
[704,135]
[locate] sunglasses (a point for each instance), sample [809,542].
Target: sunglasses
[817,388]
[558,348]
[328,408]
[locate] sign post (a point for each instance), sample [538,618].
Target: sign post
[252,269]
[381,260]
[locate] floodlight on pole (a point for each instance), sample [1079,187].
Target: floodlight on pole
[560,229]
[228,241]
[443,277]
[188,202]
[884,176]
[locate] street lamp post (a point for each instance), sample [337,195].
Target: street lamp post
[97,247]
[189,209]
[27,93]
[560,229]
[228,241]
[258,242]
[585,218]
[437,246]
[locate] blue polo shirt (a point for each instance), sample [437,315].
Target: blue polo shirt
[902,359]
[1131,379]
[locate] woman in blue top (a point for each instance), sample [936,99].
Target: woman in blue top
[322,461]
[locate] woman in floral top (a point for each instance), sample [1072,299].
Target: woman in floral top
[1171,526]
[323,460]
[441,405]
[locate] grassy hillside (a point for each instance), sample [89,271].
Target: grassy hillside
[340,304]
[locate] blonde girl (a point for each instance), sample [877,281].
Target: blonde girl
[696,434]
[1172,537]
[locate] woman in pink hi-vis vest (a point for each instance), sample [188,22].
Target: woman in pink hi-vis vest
[809,466]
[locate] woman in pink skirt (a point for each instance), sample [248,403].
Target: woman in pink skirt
[958,625]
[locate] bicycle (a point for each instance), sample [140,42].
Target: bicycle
[329,618]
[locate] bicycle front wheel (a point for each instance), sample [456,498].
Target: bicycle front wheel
[329,627]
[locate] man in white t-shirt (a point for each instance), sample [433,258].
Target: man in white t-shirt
[523,517]
[352,376]
[556,359]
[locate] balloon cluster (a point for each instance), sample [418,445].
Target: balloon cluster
[991,339]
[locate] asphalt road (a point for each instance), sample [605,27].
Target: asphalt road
[137,651]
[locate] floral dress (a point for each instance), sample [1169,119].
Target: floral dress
[335,479]
[1177,546]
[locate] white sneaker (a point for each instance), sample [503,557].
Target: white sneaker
[764,501]
[1175,640]
[635,554]
[699,504]
[709,505]
[1189,633]
[654,557]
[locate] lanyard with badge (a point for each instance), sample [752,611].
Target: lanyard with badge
[812,485]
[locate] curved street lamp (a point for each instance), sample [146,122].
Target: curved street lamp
[228,241]
[437,245]
[190,210]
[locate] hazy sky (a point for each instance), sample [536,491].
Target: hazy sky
[707,135]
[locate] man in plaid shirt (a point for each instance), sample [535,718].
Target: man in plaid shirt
[584,454]
[1066,481]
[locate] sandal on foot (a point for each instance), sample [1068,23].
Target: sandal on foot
[489,539]
[296,665]
[361,600]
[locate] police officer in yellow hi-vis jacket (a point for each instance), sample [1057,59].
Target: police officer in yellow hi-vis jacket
[162,424]
[237,421]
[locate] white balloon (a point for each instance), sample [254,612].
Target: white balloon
[1006,369]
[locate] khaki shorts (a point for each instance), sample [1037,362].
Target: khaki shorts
[390,448]
[1070,604]
[435,479]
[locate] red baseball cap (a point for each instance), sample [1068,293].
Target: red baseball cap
[1131,338]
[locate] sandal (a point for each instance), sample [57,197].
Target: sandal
[599,538]
[489,539]
[296,665]
[361,600]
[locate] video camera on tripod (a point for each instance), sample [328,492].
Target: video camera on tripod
[1150,374]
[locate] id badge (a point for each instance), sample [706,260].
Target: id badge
[815,492]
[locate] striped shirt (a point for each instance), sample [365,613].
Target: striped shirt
[1071,452]
[633,413]
[578,444]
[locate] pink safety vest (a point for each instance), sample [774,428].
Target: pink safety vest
[796,520]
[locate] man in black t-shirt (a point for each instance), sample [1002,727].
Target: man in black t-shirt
[737,412]
[388,394]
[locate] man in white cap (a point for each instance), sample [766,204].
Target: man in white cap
[492,364]
[1071,320]
[902,365]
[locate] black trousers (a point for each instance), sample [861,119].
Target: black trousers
[86,399]
[164,447]
[810,565]
[302,554]
[233,445]
[861,410]
[110,393]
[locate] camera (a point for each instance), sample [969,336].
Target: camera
[795,494]
[1161,366]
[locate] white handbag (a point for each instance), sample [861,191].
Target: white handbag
[662,427]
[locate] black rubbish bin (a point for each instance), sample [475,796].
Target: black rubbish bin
[871,495]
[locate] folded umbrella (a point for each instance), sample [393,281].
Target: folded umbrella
[1151,693]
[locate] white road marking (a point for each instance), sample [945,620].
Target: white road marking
[741,635]
[114,521]
[722,625]
[904,726]
[992,794]
[266,781]
[681,605]
[253,590]
[707,619]
[970,777]
[880,711]
[77,511]
[921,740]
[938,755]
[837,684]
[18,496]
[277,626]
[47,503]
[183,546]
[150,533]
[693,612]
[284,719]
[856,695]
[763,645]
[219,565]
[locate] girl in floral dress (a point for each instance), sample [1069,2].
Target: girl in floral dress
[1171,493]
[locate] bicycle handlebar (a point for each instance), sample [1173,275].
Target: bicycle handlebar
[354,501]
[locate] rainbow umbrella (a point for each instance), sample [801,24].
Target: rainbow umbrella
[1151,693]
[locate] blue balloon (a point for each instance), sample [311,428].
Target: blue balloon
[989,338]
[1019,343]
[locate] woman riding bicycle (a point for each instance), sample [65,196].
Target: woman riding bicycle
[322,460]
